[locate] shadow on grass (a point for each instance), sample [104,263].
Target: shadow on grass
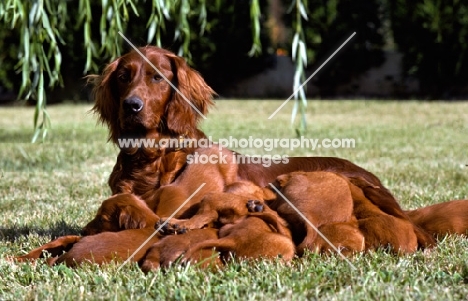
[57,229]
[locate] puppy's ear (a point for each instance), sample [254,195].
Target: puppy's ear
[130,218]
[105,97]
[283,179]
[268,194]
[194,97]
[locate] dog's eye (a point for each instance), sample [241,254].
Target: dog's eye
[157,78]
[124,77]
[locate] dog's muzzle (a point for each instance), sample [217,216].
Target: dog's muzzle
[132,105]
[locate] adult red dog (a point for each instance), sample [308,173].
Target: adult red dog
[136,101]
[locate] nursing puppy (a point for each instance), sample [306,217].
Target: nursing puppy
[169,249]
[121,212]
[322,197]
[106,247]
[249,229]
[196,175]
[257,235]
[221,208]
[346,237]
[54,248]
[382,230]
[101,248]
[326,198]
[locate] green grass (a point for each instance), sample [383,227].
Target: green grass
[419,150]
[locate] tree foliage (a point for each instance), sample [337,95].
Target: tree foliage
[329,24]
[432,35]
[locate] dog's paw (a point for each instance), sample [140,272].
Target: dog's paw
[169,228]
[255,206]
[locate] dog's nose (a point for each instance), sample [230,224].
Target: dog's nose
[133,105]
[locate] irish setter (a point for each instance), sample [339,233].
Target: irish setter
[134,101]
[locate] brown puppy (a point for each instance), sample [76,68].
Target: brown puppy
[120,212]
[381,229]
[250,189]
[322,197]
[213,176]
[107,246]
[55,248]
[170,248]
[327,198]
[254,236]
[442,219]
[346,237]
[238,200]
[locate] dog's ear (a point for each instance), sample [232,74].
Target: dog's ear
[282,180]
[130,218]
[268,194]
[361,182]
[193,98]
[105,103]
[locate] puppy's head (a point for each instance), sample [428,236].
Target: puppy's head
[297,176]
[120,212]
[249,189]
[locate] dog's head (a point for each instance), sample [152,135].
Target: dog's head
[121,212]
[134,99]
[249,189]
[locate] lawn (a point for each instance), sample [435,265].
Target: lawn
[418,149]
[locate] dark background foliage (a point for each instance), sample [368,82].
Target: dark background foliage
[431,35]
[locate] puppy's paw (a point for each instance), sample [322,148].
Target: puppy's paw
[255,206]
[169,228]
[148,265]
